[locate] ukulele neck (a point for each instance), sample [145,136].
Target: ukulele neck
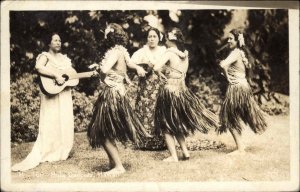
[81,75]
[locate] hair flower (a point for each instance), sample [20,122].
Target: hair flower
[161,36]
[108,30]
[172,36]
[241,40]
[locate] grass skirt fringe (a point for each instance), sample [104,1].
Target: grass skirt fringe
[239,104]
[114,118]
[181,112]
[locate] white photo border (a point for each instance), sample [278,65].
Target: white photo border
[291,185]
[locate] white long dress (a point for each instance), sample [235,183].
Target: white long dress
[56,124]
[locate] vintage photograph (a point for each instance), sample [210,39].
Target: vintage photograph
[173,94]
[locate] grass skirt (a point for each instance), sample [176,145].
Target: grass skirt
[181,112]
[239,104]
[114,118]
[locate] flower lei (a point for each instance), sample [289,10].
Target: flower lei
[244,59]
[111,50]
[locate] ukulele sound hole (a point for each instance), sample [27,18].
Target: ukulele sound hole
[66,77]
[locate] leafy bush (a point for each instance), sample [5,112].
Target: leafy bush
[207,89]
[203,144]
[25,104]
[275,104]
[83,107]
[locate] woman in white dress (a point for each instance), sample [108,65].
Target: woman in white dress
[56,123]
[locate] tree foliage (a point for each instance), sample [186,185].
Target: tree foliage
[268,34]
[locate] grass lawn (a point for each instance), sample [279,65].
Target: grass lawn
[267,159]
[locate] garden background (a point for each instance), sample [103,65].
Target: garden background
[204,30]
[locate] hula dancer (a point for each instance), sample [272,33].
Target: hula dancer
[239,106]
[113,118]
[178,111]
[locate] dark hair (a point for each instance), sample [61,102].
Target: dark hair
[180,42]
[236,33]
[49,37]
[117,37]
[155,30]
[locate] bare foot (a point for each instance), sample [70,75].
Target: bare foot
[114,172]
[170,159]
[186,157]
[111,165]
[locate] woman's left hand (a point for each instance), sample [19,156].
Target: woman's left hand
[94,66]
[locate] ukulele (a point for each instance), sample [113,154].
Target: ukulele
[49,86]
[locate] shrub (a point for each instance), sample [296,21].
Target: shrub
[207,89]
[83,107]
[25,104]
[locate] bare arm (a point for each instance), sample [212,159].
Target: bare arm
[232,57]
[158,66]
[224,64]
[110,61]
[130,63]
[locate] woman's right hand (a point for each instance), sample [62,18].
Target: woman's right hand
[140,71]
[60,79]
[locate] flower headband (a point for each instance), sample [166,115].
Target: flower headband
[172,36]
[108,30]
[241,40]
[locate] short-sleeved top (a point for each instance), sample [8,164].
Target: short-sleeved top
[144,54]
[60,63]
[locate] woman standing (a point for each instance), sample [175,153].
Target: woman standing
[56,123]
[178,111]
[113,118]
[148,87]
[239,106]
